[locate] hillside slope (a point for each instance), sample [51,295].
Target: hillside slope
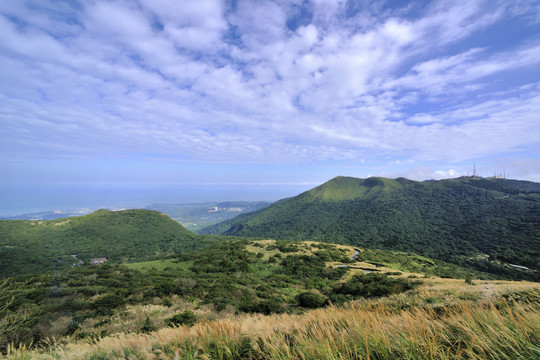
[230,277]
[382,305]
[458,220]
[36,246]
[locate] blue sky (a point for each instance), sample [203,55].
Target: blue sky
[267,92]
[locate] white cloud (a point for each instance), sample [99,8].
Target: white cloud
[259,23]
[450,21]
[445,174]
[442,74]
[192,24]
[204,81]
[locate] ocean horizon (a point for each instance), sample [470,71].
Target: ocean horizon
[19,199]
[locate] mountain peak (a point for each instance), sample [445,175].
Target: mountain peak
[348,188]
[461,220]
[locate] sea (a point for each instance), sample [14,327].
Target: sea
[29,198]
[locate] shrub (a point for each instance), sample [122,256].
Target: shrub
[186,318]
[310,300]
[73,326]
[374,285]
[266,307]
[106,304]
[265,291]
[336,299]
[167,288]
[148,327]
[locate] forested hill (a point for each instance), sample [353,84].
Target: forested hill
[460,220]
[36,246]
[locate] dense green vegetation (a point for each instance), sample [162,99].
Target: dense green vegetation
[37,246]
[485,224]
[227,276]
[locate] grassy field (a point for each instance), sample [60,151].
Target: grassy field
[442,319]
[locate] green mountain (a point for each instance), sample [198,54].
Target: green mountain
[476,222]
[36,246]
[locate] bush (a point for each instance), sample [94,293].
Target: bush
[265,291]
[106,304]
[148,327]
[266,307]
[167,288]
[336,299]
[374,285]
[310,300]
[186,318]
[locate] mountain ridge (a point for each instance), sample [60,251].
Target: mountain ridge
[463,219]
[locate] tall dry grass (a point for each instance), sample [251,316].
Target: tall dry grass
[361,330]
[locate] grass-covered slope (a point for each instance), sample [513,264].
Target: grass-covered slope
[381,305]
[230,276]
[372,330]
[36,246]
[458,220]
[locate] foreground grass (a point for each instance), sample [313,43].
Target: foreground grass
[502,327]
